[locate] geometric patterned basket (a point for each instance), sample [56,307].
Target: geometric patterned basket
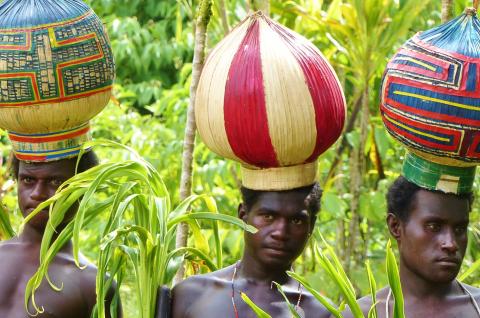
[56,71]
[431,95]
[430,102]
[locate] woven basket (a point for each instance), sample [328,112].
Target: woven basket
[56,68]
[268,99]
[431,96]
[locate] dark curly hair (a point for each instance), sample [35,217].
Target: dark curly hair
[313,195]
[88,160]
[401,193]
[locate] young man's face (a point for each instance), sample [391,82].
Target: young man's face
[283,224]
[38,182]
[433,240]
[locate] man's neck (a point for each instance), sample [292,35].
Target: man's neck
[33,236]
[250,268]
[417,287]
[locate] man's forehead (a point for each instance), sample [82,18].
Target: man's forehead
[280,200]
[429,204]
[61,167]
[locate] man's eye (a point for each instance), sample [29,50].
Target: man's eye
[460,229]
[268,217]
[27,180]
[56,182]
[297,221]
[434,227]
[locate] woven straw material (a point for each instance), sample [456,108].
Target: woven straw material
[56,67]
[43,118]
[50,146]
[268,99]
[431,96]
[283,178]
[433,176]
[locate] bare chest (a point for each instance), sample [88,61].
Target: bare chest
[462,308]
[218,303]
[68,302]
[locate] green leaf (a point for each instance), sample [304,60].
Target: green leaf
[324,301]
[6,229]
[394,282]
[471,269]
[290,306]
[373,290]
[257,310]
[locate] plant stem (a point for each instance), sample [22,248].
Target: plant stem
[446,10]
[202,20]
[223,16]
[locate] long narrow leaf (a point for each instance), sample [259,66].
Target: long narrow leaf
[257,310]
[290,306]
[394,282]
[324,301]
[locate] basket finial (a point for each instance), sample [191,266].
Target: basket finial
[473,9]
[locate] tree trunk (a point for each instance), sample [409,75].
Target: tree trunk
[357,171]
[447,6]
[201,24]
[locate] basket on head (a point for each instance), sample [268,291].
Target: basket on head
[56,73]
[268,99]
[431,103]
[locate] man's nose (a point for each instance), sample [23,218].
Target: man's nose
[280,231]
[449,241]
[39,192]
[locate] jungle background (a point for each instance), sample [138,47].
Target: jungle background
[153,45]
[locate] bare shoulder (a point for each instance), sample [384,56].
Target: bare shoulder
[473,290]
[9,245]
[85,274]
[85,277]
[366,303]
[185,293]
[313,308]
[201,283]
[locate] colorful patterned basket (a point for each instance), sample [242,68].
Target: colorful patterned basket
[268,99]
[431,102]
[56,73]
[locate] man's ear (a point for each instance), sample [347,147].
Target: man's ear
[242,212]
[394,226]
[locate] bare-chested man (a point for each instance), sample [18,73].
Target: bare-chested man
[285,220]
[430,228]
[19,256]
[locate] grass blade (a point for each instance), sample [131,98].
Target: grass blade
[394,282]
[257,310]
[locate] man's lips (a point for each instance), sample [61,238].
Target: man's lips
[449,261]
[30,210]
[277,249]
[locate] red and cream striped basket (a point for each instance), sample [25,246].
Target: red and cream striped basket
[269,99]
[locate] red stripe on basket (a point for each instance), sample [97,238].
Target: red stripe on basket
[245,114]
[49,139]
[326,93]
[30,157]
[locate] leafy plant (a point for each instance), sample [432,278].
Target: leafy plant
[140,228]
[330,262]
